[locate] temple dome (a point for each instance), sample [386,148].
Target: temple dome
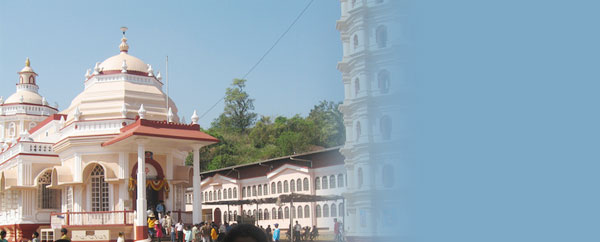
[115,63]
[28,97]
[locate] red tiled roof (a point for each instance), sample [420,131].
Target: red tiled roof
[164,129]
[46,121]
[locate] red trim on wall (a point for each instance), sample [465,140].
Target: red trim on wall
[46,121]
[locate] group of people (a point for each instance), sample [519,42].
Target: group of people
[35,237]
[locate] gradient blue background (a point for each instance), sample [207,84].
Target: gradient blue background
[508,120]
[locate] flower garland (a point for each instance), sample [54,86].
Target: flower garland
[156,185]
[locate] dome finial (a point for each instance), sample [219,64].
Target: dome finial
[27,63]
[124,47]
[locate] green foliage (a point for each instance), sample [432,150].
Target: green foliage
[244,140]
[237,115]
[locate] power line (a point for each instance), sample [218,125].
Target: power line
[264,55]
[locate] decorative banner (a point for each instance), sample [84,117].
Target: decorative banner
[156,185]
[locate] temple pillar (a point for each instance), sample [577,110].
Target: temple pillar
[140,222]
[197,199]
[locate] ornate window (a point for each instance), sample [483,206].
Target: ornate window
[235,215]
[280,213]
[210,196]
[332,181]
[292,185]
[324,183]
[260,190]
[229,193]
[266,189]
[254,191]
[274,213]
[299,185]
[99,190]
[69,198]
[325,210]
[381,36]
[318,211]
[235,192]
[317,183]
[306,186]
[341,209]
[273,188]
[260,214]
[333,210]
[359,177]
[340,180]
[243,192]
[47,198]
[388,176]
[306,211]
[299,211]
[279,187]
[285,186]
[385,127]
[12,129]
[287,212]
[266,214]
[383,81]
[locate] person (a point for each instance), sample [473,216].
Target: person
[64,233]
[166,224]
[173,232]
[314,232]
[297,231]
[179,228]
[3,236]
[206,232]
[269,235]
[195,233]
[188,234]
[151,222]
[160,208]
[158,230]
[120,238]
[213,233]
[35,237]
[222,232]
[227,227]
[276,233]
[245,232]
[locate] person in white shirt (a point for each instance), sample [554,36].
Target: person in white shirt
[297,229]
[179,228]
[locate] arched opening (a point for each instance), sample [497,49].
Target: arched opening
[217,216]
[156,186]
[381,36]
[383,81]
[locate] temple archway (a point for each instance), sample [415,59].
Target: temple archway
[155,190]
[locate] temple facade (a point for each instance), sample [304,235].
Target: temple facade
[96,166]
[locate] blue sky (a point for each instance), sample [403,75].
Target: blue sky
[208,42]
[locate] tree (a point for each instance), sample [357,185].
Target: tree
[237,115]
[327,116]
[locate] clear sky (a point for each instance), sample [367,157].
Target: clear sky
[208,43]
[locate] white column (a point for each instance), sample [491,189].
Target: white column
[169,201]
[124,170]
[77,173]
[197,201]
[141,186]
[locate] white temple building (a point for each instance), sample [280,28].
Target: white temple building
[81,168]
[375,116]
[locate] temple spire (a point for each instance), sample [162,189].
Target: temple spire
[124,47]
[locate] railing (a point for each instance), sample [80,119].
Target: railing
[185,216]
[26,147]
[93,218]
